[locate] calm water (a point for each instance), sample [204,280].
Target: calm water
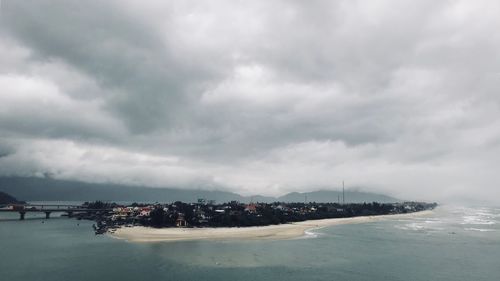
[452,244]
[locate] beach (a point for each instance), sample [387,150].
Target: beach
[270,232]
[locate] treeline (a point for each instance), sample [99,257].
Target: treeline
[238,215]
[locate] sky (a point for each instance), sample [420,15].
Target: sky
[255,97]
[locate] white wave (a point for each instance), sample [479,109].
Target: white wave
[310,234]
[411,226]
[479,229]
[477,220]
[435,221]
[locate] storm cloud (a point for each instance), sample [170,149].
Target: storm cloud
[259,97]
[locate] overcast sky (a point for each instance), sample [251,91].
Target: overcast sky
[255,97]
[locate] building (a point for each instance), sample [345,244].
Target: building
[251,208]
[180,222]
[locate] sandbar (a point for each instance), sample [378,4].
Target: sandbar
[269,232]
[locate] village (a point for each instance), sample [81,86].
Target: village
[206,213]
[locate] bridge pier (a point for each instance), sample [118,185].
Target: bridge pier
[47,215]
[21,217]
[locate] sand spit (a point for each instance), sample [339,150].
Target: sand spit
[270,232]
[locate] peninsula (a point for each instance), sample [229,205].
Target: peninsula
[207,220]
[269,232]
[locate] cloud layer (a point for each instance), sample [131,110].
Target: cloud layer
[255,97]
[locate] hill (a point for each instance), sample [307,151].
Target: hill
[8,199]
[334,196]
[47,189]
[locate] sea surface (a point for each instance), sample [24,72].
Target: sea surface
[454,243]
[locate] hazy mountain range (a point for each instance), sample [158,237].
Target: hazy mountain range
[48,189]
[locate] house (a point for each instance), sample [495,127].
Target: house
[251,208]
[144,212]
[180,222]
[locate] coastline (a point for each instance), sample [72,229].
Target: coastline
[269,232]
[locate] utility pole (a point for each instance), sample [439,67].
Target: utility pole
[343,193]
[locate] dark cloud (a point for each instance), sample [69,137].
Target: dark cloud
[145,81]
[257,97]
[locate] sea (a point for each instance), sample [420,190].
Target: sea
[453,243]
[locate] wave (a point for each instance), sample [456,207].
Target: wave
[310,234]
[477,220]
[479,229]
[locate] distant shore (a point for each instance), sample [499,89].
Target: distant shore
[269,232]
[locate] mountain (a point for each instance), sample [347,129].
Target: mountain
[334,196]
[8,199]
[48,189]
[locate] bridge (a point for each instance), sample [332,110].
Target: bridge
[48,209]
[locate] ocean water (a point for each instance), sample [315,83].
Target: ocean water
[454,243]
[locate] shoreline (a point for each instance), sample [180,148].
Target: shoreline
[144,234]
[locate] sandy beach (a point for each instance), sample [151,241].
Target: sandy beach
[273,232]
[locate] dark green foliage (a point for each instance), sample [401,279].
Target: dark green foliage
[99,205]
[157,216]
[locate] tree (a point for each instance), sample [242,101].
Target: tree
[157,217]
